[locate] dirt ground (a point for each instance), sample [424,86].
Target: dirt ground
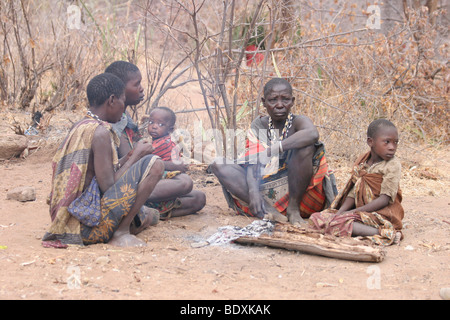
[171,267]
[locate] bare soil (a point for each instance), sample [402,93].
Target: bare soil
[172,267]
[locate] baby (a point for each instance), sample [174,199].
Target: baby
[161,124]
[173,195]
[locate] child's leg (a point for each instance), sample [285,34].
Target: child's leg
[360,229]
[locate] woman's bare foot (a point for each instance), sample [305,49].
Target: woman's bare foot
[294,217]
[273,214]
[151,219]
[126,240]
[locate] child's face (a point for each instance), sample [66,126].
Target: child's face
[133,89]
[384,144]
[160,124]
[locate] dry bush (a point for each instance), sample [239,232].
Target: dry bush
[192,56]
[50,53]
[344,79]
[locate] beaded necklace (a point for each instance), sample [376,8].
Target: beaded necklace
[94,116]
[271,134]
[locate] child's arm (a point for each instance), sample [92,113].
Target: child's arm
[348,204]
[377,204]
[389,187]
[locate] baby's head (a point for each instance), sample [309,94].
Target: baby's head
[161,122]
[382,138]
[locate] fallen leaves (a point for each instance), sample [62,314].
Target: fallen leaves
[433,246]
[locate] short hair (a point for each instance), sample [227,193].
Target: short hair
[376,125]
[173,117]
[272,82]
[102,86]
[122,69]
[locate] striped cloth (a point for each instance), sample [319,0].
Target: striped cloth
[314,198]
[163,147]
[274,189]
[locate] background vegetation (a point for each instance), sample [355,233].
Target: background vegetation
[194,57]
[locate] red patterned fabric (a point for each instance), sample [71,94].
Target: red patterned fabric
[163,147]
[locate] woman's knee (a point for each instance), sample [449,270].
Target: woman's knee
[185,183]
[224,169]
[304,153]
[216,167]
[200,199]
[157,169]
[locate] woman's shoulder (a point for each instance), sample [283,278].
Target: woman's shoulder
[301,118]
[261,121]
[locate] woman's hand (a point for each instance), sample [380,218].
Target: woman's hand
[256,205]
[141,149]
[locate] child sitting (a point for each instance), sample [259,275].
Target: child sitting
[370,203]
[173,195]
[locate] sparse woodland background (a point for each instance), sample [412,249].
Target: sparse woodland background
[344,74]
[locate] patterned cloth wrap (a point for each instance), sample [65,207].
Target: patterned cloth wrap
[86,208]
[117,202]
[320,192]
[69,176]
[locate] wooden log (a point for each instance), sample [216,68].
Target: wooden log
[298,239]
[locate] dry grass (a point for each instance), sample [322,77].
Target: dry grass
[342,80]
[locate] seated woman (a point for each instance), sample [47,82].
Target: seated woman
[370,203]
[295,182]
[96,197]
